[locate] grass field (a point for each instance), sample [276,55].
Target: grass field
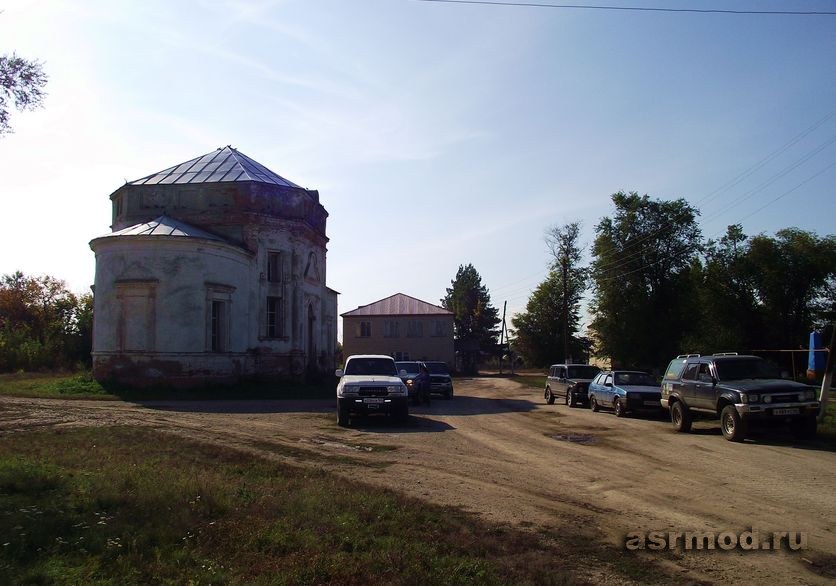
[83,386]
[135,506]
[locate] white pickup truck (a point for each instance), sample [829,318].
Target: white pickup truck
[370,384]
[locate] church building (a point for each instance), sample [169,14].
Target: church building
[214,271]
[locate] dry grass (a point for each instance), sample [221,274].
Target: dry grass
[131,505]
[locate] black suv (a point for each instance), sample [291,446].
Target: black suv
[571,382]
[737,390]
[416,379]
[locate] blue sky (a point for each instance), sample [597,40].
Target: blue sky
[437,134]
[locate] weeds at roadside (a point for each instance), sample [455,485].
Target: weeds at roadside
[130,505]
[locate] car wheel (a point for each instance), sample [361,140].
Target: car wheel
[734,428]
[549,397]
[593,404]
[620,410]
[681,417]
[804,428]
[342,416]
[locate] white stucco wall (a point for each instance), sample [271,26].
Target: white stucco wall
[180,271]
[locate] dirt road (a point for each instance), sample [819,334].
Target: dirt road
[497,450]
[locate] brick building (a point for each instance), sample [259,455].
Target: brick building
[214,271]
[401,326]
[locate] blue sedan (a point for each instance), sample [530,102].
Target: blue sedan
[625,391]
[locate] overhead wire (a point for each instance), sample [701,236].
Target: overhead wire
[636,8]
[665,226]
[675,256]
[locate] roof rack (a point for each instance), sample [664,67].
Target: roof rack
[725,354]
[688,356]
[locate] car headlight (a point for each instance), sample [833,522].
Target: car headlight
[750,398]
[396,389]
[409,383]
[767,398]
[809,395]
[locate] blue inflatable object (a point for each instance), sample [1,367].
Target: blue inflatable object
[817,360]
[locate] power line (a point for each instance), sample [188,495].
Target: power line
[635,8]
[767,204]
[617,263]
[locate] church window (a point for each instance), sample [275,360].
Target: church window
[274,267]
[218,314]
[274,317]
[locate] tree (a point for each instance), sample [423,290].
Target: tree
[643,299]
[539,329]
[42,324]
[792,276]
[729,318]
[475,320]
[547,330]
[22,83]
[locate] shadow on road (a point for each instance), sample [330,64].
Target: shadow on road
[459,405]
[249,406]
[466,405]
[415,424]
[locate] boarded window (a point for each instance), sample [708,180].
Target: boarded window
[274,317]
[218,326]
[274,267]
[136,328]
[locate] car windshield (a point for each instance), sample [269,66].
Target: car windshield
[583,371]
[743,368]
[409,367]
[371,366]
[437,367]
[634,378]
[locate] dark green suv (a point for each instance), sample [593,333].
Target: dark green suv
[738,390]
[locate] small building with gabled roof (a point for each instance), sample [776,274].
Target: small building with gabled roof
[214,271]
[400,326]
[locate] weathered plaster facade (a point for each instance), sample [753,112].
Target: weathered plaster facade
[214,271]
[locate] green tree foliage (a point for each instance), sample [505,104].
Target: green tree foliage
[792,275]
[547,331]
[21,83]
[475,320]
[643,297]
[539,329]
[42,324]
[764,292]
[729,318]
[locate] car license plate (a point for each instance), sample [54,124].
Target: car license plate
[652,404]
[373,401]
[785,412]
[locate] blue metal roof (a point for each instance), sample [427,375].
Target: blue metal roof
[224,164]
[165,226]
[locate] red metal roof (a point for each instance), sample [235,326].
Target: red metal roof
[398,304]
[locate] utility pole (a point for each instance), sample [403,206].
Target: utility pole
[564,269]
[828,376]
[501,333]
